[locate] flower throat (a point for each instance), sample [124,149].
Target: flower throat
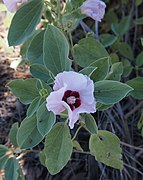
[72,98]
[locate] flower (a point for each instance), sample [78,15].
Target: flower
[12,4]
[72,91]
[94,9]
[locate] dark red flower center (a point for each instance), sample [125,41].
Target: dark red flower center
[72,98]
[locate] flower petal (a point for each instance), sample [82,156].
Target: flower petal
[86,108]
[86,95]
[74,81]
[73,115]
[11,5]
[54,101]
[94,9]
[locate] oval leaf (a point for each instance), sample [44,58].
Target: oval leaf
[110,92]
[25,90]
[3,150]
[88,50]
[105,146]
[41,72]
[137,85]
[90,123]
[24,22]
[56,50]
[102,70]
[13,134]
[28,135]
[11,169]
[58,148]
[34,106]
[35,50]
[45,119]
[115,72]
[3,161]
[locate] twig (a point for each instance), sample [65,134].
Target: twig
[131,146]
[136,28]
[133,168]
[76,151]
[134,110]
[85,28]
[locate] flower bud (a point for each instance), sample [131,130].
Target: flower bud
[94,9]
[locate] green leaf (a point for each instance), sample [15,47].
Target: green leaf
[105,146]
[44,89]
[77,146]
[88,70]
[42,157]
[140,122]
[139,59]
[121,28]
[41,72]
[88,50]
[24,22]
[127,67]
[3,161]
[115,72]
[137,85]
[56,50]
[20,174]
[13,134]
[11,169]
[26,44]
[34,106]
[45,119]
[35,49]
[111,16]
[108,39]
[125,50]
[3,156]
[28,135]
[142,41]
[25,90]
[114,58]
[102,70]
[138,2]
[102,107]
[90,123]
[58,148]
[110,92]
[71,20]
[139,21]
[3,150]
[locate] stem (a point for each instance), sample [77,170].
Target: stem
[66,121]
[96,30]
[71,43]
[85,28]
[41,84]
[76,133]
[59,10]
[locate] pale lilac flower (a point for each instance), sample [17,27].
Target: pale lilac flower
[94,9]
[12,4]
[72,91]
